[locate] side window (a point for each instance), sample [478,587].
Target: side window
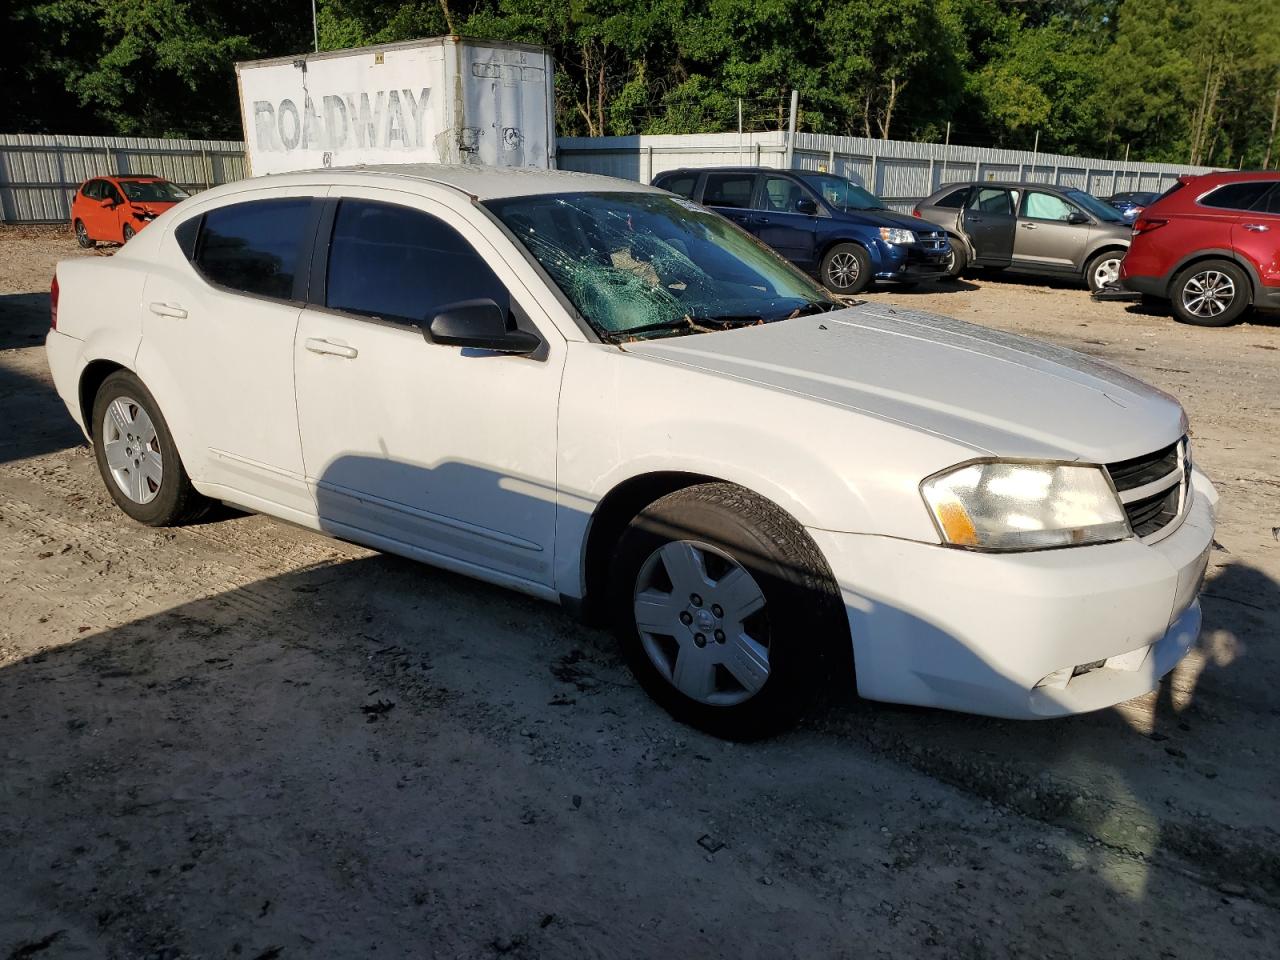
[1236,196]
[93,189]
[110,192]
[729,190]
[399,264]
[1045,206]
[781,194]
[254,247]
[992,200]
[683,184]
[955,199]
[1270,203]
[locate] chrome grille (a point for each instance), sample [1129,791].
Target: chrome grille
[932,239]
[1154,489]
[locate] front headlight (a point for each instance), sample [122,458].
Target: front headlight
[1024,506]
[896,235]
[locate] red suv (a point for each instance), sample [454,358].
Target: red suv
[1210,246]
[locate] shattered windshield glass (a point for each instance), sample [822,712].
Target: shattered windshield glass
[649,264]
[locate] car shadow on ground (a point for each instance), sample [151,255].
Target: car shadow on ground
[24,322]
[371,753]
[954,285]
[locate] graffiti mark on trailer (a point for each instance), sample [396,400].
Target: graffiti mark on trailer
[387,118]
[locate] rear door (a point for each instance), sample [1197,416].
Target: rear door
[1045,238]
[1256,236]
[219,311]
[779,224]
[731,195]
[989,221]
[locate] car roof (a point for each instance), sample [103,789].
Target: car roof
[480,182]
[1231,176]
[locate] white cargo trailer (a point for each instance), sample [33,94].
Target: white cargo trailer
[439,100]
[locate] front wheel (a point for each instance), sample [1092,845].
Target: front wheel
[136,455]
[82,236]
[846,269]
[958,260]
[1102,269]
[1213,293]
[726,610]
[128,232]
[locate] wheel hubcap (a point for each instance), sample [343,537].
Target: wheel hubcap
[1208,294]
[844,270]
[132,450]
[702,621]
[1108,271]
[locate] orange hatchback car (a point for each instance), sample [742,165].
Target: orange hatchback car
[115,208]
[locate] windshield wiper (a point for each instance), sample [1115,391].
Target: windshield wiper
[688,323]
[817,306]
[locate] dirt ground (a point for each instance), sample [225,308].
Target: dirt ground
[242,740]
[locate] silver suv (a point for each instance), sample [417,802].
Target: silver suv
[1030,228]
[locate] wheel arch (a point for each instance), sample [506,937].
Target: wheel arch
[92,377]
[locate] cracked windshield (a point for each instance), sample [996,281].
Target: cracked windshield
[653,265]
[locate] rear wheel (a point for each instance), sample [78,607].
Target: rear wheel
[136,456]
[958,261]
[846,269]
[1213,293]
[726,610]
[1103,268]
[82,235]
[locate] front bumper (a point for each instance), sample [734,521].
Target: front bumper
[911,261]
[1023,635]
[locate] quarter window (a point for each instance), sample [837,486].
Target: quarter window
[955,199]
[683,185]
[398,264]
[729,190]
[254,247]
[1271,202]
[1045,206]
[1236,196]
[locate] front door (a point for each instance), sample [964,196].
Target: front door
[1046,238]
[440,452]
[989,222]
[219,311]
[779,222]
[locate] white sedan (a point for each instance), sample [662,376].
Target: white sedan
[605,396]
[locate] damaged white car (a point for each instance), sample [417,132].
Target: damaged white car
[603,395]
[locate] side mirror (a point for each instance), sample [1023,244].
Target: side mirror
[1077,217]
[806,205]
[481,325]
[106,202]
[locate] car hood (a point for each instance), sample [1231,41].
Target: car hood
[994,392]
[877,218]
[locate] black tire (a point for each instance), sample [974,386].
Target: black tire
[802,623]
[959,259]
[175,500]
[1095,263]
[846,269]
[128,232]
[82,236]
[1199,277]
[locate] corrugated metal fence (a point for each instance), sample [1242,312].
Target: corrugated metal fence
[898,171]
[39,173]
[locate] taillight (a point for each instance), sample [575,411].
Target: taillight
[1147,224]
[53,303]
[915,212]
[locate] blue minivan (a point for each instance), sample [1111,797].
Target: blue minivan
[824,224]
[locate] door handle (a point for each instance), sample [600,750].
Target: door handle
[1256,227]
[318,345]
[1027,226]
[167,310]
[759,220]
[973,219]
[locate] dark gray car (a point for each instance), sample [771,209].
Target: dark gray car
[1030,228]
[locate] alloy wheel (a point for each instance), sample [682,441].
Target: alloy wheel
[1106,271]
[1208,293]
[843,271]
[702,622]
[132,450]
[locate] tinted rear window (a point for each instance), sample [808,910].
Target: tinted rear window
[399,264]
[1237,196]
[253,247]
[729,190]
